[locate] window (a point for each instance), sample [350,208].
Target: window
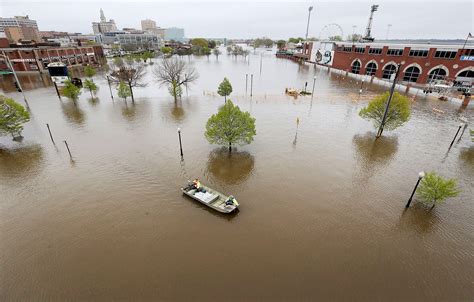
[347,49]
[466,74]
[412,74]
[371,69]
[375,51]
[469,52]
[437,74]
[355,67]
[445,54]
[388,71]
[418,53]
[395,52]
[360,49]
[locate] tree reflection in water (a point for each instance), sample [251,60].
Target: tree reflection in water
[20,162]
[466,160]
[418,218]
[131,112]
[373,154]
[73,113]
[229,168]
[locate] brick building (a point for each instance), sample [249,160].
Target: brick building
[36,57]
[421,63]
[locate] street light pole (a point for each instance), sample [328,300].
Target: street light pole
[420,176]
[307,25]
[110,88]
[457,132]
[392,90]
[180,144]
[9,65]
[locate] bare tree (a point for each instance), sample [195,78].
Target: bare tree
[174,73]
[129,72]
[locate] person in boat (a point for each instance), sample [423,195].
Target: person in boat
[231,201]
[197,186]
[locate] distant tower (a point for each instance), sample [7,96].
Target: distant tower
[102,16]
[368,37]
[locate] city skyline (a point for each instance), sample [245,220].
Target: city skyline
[244,19]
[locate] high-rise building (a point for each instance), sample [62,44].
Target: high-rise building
[175,34]
[20,28]
[148,24]
[103,26]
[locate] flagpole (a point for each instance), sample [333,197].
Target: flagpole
[465,41]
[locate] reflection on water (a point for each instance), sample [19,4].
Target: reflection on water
[136,111]
[419,219]
[73,113]
[466,162]
[373,154]
[21,161]
[178,111]
[229,168]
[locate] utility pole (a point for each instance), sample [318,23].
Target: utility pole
[307,25]
[368,37]
[392,90]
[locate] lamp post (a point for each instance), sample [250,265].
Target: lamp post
[307,25]
[9,65]
[110,88]
[312,91]
[420,176]
[457,132]
[180,144]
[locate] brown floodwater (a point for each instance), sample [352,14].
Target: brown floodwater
[322,205]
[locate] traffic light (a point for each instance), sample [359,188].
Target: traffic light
[17,86]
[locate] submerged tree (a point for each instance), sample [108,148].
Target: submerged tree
[435,189]
[398,112]
[174,73]
[216,52]
[89,71]
[12,117]
[71,91]
[230,126]
[123,91]
[130,72]
[89,84]
[225,89]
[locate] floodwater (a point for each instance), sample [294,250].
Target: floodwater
[322,204]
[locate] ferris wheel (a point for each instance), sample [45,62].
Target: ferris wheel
[331,30]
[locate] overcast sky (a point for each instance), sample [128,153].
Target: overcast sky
[449,19]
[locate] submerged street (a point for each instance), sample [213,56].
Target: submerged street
[321,204]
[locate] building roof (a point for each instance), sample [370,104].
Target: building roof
[411,44]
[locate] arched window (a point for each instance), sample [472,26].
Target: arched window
[466,74]
[388,71]
[411,74]
[438,73]
[355,67]
[371,69]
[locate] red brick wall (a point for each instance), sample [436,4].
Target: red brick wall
[343,60]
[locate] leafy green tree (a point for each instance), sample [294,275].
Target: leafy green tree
[147,55]
[266,42]
[230,126]
[200,42]
[435,189]
[398,113]
[89,84]
[281,44]
[89,71]
[12,117]
[224,89]
[123,90]
[166,50]
[216,52]
[206,51]
[211,44]
[71,91]
[295,40]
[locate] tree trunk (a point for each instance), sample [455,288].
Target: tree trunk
[90,90]
[230,147]
[225,99]
[131,93]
